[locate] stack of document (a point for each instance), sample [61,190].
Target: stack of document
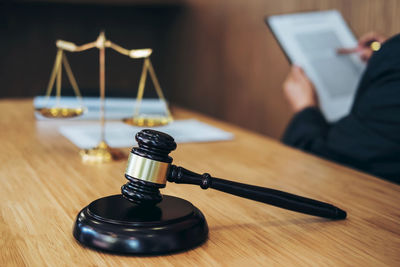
[115,108]
[118,134]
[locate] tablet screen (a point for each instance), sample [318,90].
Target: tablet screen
[310,40]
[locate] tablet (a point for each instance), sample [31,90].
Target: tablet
[310,40]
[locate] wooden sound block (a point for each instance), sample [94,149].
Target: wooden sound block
[115,225]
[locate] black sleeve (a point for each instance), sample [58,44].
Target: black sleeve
[346,141]
[305,127]
[363,141]
[341,141]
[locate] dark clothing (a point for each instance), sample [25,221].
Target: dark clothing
[368,138]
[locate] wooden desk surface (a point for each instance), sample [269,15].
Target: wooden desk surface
[44,185]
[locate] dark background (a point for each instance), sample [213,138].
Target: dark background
[29,32]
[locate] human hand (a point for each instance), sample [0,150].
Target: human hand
[299,90]
[367,44]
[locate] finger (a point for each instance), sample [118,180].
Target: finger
[300,76]
[370,36]
[364,58]
[288,84]
[297,72]
[365,55]
[300,69]
[297,69]
[343,51]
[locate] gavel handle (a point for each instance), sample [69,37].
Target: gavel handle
[266,195]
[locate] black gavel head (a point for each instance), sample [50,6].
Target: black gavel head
[147,167]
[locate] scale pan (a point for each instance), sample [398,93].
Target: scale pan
[148,120]
[61,112]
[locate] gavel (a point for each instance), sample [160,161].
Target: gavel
[150,167]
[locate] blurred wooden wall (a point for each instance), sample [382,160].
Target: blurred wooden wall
[214,56]
[225,62]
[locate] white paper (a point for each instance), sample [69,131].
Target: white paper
[310,40]
[118,134]
[115,108]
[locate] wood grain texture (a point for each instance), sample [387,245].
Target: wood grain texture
[225,55]
[44,185]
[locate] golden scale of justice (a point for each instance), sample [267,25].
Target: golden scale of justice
[102,152]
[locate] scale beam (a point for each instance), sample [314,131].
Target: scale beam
[102,152]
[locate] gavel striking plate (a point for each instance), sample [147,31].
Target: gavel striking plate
[141,221]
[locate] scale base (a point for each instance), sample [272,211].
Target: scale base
[148,121]
[61,112]
[100,154]
[115,225]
